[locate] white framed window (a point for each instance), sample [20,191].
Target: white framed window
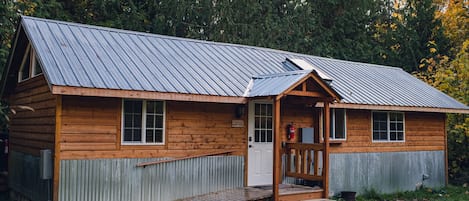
[388,126]
[143,122]
[338,124]
[25,69]
[30,65]
[36,67]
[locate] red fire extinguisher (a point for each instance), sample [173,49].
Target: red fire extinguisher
[291,132]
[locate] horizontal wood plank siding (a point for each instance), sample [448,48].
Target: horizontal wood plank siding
[89,124]
[32,131]
[299,114]
[423,132]
[91,128]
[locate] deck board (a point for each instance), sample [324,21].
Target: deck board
[259,193]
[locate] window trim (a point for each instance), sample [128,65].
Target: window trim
[388,130]
[333,125]
[144,123]
[34,64]
[22,65]
[321,125]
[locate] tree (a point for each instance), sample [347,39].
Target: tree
[414,34]
[450,73]
[7,29]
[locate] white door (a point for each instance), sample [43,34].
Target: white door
[260,143]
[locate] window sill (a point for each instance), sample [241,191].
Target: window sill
[337,142]
[388,141]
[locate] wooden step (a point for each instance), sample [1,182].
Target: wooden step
[302,196]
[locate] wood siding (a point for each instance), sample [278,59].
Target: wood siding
[32,131]
[91,128]
[299,114]
[423,132]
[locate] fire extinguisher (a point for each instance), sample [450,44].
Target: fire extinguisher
[291,132]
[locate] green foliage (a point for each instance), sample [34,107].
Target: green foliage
[450,193]
[7,29]
[371,194]
[450,74]
[413,34]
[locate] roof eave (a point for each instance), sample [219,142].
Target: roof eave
[397,108]
[118,93]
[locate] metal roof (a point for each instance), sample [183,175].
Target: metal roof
[97,57]
[274,84]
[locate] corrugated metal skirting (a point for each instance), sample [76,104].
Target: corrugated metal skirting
[385,172]
[24,176]
[121,180]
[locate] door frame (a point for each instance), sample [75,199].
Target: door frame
[251,127]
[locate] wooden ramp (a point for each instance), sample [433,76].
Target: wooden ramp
[288,192]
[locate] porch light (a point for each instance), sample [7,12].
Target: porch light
[240,109]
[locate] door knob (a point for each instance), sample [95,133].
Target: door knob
[250,146]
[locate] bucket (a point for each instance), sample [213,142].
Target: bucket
[348,195]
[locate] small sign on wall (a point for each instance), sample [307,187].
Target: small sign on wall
[237,123]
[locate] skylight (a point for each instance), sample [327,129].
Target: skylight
[304,65]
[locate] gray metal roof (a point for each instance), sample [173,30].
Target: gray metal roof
[97,57]
[274,84]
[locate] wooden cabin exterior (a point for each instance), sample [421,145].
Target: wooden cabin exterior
[129,144]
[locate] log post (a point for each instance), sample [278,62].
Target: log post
[327,131]
[277,145]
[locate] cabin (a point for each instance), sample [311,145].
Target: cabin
[122,115]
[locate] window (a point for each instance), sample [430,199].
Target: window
[30,66]
[143,122]
[338,124]
[24,72]
[263,128]
[37,68]
[388,126]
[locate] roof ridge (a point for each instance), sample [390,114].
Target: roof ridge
[289,73]
[117,30]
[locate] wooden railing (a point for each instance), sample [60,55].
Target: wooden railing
[144,164]
[304,161]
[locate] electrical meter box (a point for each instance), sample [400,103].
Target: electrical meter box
[307,135]
[45,164]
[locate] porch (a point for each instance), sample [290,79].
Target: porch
[261,193]
[293,158]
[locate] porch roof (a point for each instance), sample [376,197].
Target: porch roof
[274,84]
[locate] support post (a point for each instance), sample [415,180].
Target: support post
[58,130]
[327,131]
[277,146]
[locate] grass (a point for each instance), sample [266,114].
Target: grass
[450,193]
